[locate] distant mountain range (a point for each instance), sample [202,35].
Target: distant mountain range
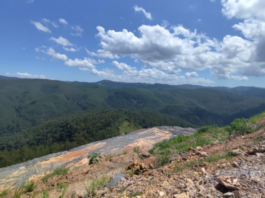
[36,112]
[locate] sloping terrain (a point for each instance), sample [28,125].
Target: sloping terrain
[14,176]
[213,162]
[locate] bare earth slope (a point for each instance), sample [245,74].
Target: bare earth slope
[14,176]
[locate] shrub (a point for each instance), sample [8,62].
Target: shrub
[240,126]
[94,158]
[207,129]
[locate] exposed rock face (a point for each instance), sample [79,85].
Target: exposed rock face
[14,176]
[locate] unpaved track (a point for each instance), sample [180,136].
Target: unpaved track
[15,175]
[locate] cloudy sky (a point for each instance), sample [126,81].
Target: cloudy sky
[205,42]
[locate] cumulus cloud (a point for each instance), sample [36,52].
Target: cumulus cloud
[51,52]
[243,9]
[41,27]
[142,10]
[168,54]
[61,41]
[191,74]
[63,21]
[77,30]
[102,54]
[180,49]
[86,62]
[123,66]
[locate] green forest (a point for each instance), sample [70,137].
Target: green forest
[39,117]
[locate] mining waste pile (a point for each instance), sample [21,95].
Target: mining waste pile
[14,176]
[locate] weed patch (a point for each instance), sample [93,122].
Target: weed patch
[3,193]
[136,149]
[96,184]
[60,171]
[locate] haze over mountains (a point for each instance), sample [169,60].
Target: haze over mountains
[46,116]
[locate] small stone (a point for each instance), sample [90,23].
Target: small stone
[204,171]
[198,148]
[235,165]
[161,193]
[228,194]
[237,152]
[146,155]
[151,166]
[203,154]
[143,166]
[182,195]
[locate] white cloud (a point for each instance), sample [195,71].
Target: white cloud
[86,62]
[101,61]
[77,30]
[191,74]
[41,27]
[244,9]
[26,75]
[146,14]
[48,21]
[40,58]
[123,66]
[70,49]
[61,41]
[182,49]
[54,54]
[102,54]
[164,23]
[63,21]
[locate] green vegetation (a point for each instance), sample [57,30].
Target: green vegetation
[3,193]
[127,127]
[64,189]
[258,139]
[136,149]
[59,171]
[94,158]
[204,136]
[61,185]
[134,195]
[256,118]
[240,126]
[45,194]
[29,187]
[96,184]
[125,152]
[39,117]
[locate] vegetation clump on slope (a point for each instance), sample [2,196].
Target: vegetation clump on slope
[206,135]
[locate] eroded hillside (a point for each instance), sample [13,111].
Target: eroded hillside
[213,162]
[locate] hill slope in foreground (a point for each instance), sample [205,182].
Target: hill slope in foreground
[212,162]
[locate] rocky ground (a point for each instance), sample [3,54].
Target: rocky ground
[231,168]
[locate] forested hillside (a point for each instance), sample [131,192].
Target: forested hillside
[39,117]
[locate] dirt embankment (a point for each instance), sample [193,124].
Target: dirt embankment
[14,176]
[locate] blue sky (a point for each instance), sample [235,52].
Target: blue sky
[205,42]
